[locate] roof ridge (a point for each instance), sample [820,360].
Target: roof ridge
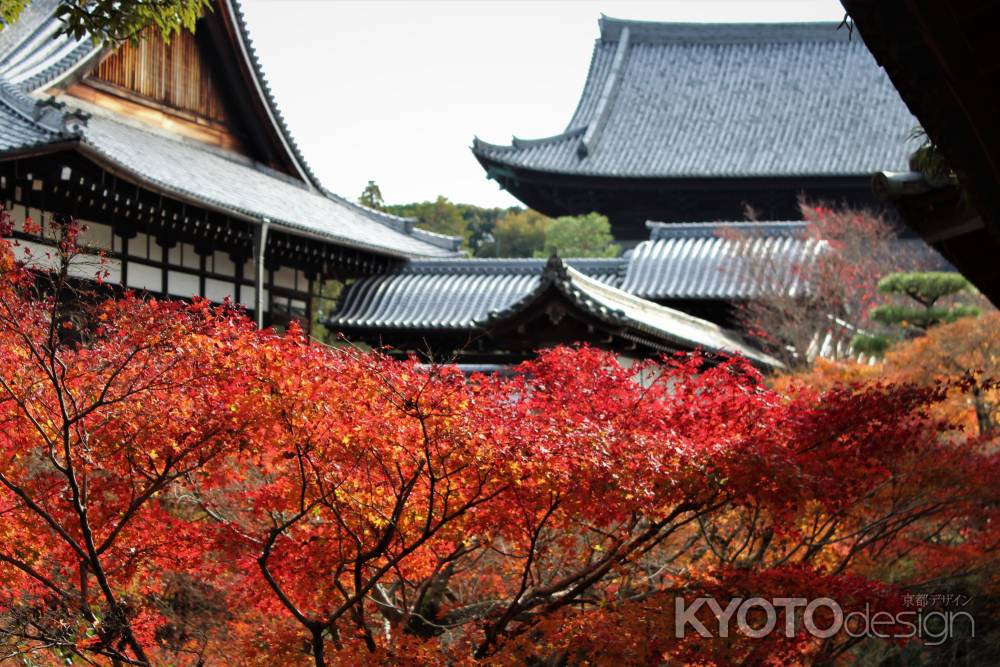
[659,231]
[46,115]
[36,54]
[517,143]
[499,265]
[736,342]
[609,93]
[607,302]
[440,240]
[663,32]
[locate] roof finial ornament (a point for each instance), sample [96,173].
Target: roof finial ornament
[49,102]
[555,268]
[74,119]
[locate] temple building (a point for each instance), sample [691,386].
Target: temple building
[678,290]
[498,312]
[682,122]
[683,288]
[711,269]
[176,158]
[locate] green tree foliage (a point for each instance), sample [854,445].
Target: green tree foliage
[874,346]
[117,21]
[371,197]
[579,236]
[518,234]
[504,232]
[473,223]
[441,216]
[927,289]
[480,223]
[10,11]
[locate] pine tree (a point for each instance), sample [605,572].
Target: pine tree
[371,197]
[926,290]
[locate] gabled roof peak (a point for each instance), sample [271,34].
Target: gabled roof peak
[655,32]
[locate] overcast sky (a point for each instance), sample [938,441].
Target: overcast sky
[395,90]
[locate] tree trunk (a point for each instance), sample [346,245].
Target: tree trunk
[317,647]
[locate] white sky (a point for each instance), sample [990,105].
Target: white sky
[395,90]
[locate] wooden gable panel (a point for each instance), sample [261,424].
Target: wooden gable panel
[205,86]
[173,75]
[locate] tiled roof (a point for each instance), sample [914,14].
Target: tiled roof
[675,100]
[190,171]
[24,123]
[187,169]
[679,261]
[719,260]
[476,295]
[250,54]
[451,294]
[34,55]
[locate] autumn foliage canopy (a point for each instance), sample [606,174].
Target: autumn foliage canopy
[179,488]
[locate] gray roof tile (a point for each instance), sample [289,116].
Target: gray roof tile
[452,293]
[220,178]
[719,260]
[725,100]
[32,52]
[680,261]
[24,123]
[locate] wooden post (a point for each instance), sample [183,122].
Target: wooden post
[259,247]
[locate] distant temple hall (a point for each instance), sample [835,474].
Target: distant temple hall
[694,122]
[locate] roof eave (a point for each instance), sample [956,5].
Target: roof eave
[125,173]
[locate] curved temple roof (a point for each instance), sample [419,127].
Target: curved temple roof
[452,294]
[679,262]
[34,57]
[480,295]
[721,263]
[682,100]
[738,261]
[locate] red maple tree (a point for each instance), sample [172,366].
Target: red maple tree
[178,487]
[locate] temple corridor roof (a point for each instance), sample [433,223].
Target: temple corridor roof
[719,260]
[482,296]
